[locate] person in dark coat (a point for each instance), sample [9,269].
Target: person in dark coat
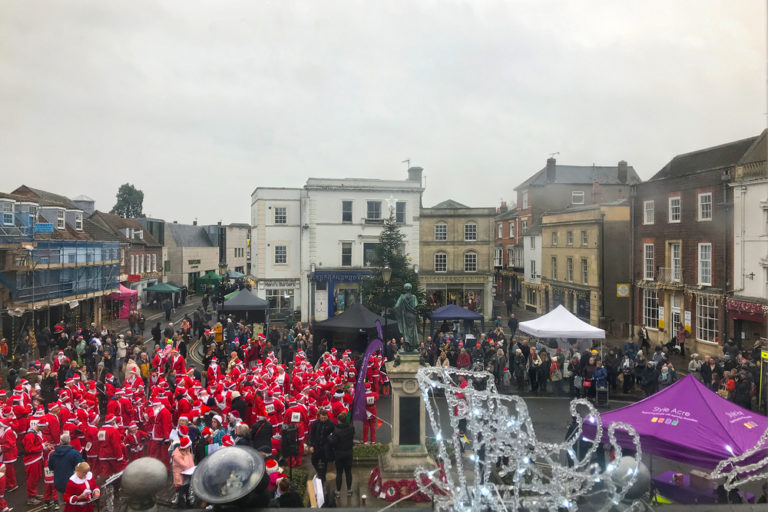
[341,442]
[156,333]
[287,497]
[238,404]
[62,462]
[319,433]
[513,323]
[261,436]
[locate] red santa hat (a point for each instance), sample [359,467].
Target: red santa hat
[184,443]
[206,432]
[367,386]
[132,425]
[271,466]
[109,419]
[183,430]
[39,411]
[227,441]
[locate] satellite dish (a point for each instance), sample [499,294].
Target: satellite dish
[228,474]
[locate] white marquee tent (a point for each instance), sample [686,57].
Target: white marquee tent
[561,323]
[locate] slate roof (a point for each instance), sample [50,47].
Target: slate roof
[533,230]
[450,204]
[581,175]
[112,224]
[756,152]
[703,160]
[46,198]
[189,236]
[509,214]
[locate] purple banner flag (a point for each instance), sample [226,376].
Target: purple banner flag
[358,403]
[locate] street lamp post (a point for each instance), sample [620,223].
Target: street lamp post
[386,275]
[31,263]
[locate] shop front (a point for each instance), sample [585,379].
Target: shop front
[333,291]
[473,294]
[282,295]
[747,321]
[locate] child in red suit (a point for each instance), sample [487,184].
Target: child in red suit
[81,490]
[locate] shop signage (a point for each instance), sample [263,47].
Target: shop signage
[661,317]
[134,278]
[193,262]
[622,290]
[329,275]
[687,321]
[280,284]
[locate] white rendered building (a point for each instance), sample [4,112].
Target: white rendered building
[311,246]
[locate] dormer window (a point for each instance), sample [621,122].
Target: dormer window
[7,211]
[79,221]
[60,219]
[138,234]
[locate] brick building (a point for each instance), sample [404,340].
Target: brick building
[682,246]
[508,253]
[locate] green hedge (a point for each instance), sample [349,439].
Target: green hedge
[369,451]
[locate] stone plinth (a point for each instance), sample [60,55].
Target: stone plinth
[407,449]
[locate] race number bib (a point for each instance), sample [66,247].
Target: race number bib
[295,417]
[33,423]
[369,400]
[269,408]
[48,473]
[102,435]
[88,446]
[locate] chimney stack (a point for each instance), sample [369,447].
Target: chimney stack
[414,174]
[503,208]
[551,170]
[194,222]
[622,174]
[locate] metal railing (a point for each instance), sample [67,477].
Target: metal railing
[670,275]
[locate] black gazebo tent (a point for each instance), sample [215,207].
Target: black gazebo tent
[454,312]
[245,305]
[352,329]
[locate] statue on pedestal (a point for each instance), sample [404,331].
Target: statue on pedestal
[408,319]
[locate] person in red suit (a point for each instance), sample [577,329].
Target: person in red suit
[161,430]
[135,441]
[369,424]
[213,373]
[110,448]
[91,441]
[81,490]
[177,362]
[294,415]
[10,452]
[33,460]
[3,503]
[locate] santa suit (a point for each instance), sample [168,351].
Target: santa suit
[10,454]
[213,374]
[110,450]
[50,491]
[127,414]
[76,486]
[177,362]
[161,429]
[135,442]
[337,408]
[58,362]
[92,446]
[70,427]
[274,409]
[113,408]
[3,480]
[371,397]
[33,460]
[296,416]
[372,375]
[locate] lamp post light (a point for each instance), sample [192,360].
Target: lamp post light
[386,275]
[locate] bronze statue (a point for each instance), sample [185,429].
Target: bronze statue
[408,319]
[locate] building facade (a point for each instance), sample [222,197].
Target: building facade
[582,271]
[51,268]
[508,254]
[141,256]
[532,288]
[190,254]
[456,248]
[312,246]
[683,246]
[746,309]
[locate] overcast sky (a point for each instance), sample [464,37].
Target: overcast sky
[197,103]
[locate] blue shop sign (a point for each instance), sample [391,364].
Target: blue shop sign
[43,227]
[341,276]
